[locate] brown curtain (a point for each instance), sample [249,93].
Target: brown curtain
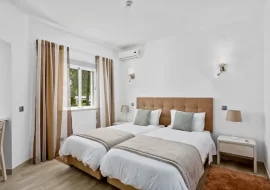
[52,103]
[105,92]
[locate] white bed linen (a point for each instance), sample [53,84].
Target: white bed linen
[148,174]
[91,152]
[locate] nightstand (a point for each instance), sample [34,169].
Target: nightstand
[119,122]
[237,146]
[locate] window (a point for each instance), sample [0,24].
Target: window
[81,86]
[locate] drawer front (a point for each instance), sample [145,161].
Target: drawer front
[236,149]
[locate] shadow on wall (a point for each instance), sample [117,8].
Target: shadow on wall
[5,98]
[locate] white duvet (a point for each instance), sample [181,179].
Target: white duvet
[148,174]
[90,152]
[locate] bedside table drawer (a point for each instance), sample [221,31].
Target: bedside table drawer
[236,149]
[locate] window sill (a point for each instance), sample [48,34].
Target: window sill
[83,108]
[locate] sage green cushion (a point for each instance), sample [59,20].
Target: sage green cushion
[142,117]
[183,121]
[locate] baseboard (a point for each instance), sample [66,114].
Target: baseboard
[267,170]
[14,170]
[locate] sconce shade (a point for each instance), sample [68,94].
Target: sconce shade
[234,116]
[130,71]
[125,109]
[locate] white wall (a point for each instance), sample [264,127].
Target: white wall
[5,97]
[267,82]
[185,65]
[83,120]
[5,79]
[15,32]
[21,32]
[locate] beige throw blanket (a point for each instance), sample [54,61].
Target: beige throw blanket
[107,137]
[185,158]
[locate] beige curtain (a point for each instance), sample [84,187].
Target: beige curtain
[105,92]
[52,103]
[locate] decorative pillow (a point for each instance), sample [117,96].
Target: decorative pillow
[172,116]
[142,117]
[198,121]
[154,116]
[182,121]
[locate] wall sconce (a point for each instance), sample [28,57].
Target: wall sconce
[131,75]
[222,68]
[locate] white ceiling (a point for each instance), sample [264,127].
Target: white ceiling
[110,22]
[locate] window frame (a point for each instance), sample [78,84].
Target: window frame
[93,87]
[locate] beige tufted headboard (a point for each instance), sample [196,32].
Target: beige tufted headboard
[181,104]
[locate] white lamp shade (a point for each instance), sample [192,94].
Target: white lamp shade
[125,109]
[130,71]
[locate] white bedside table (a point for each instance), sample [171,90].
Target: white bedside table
[240,146]
[119,122]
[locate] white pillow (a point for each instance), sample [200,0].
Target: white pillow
[198,121]
[154,117]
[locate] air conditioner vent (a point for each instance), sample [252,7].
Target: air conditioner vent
[130,54]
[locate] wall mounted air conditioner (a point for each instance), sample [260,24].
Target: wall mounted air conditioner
[130,54]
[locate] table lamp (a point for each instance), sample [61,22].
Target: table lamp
[125,110]
[234,116]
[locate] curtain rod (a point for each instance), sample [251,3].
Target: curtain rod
[73,49]
[84,52]
[77,50]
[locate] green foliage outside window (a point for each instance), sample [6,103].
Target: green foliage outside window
[86,86]
[74,86]
[86,82]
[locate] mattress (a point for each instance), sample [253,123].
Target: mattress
[90,152]
[145,173]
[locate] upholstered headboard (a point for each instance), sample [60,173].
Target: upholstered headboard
[181,104]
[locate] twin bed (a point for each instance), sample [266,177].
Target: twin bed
[87,154]
[155,157]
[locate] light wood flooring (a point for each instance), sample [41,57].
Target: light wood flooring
[54,175]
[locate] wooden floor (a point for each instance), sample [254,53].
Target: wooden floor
[57,176]
[52,175]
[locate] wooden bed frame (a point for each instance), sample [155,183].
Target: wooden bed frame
[78,164]
[166,104]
